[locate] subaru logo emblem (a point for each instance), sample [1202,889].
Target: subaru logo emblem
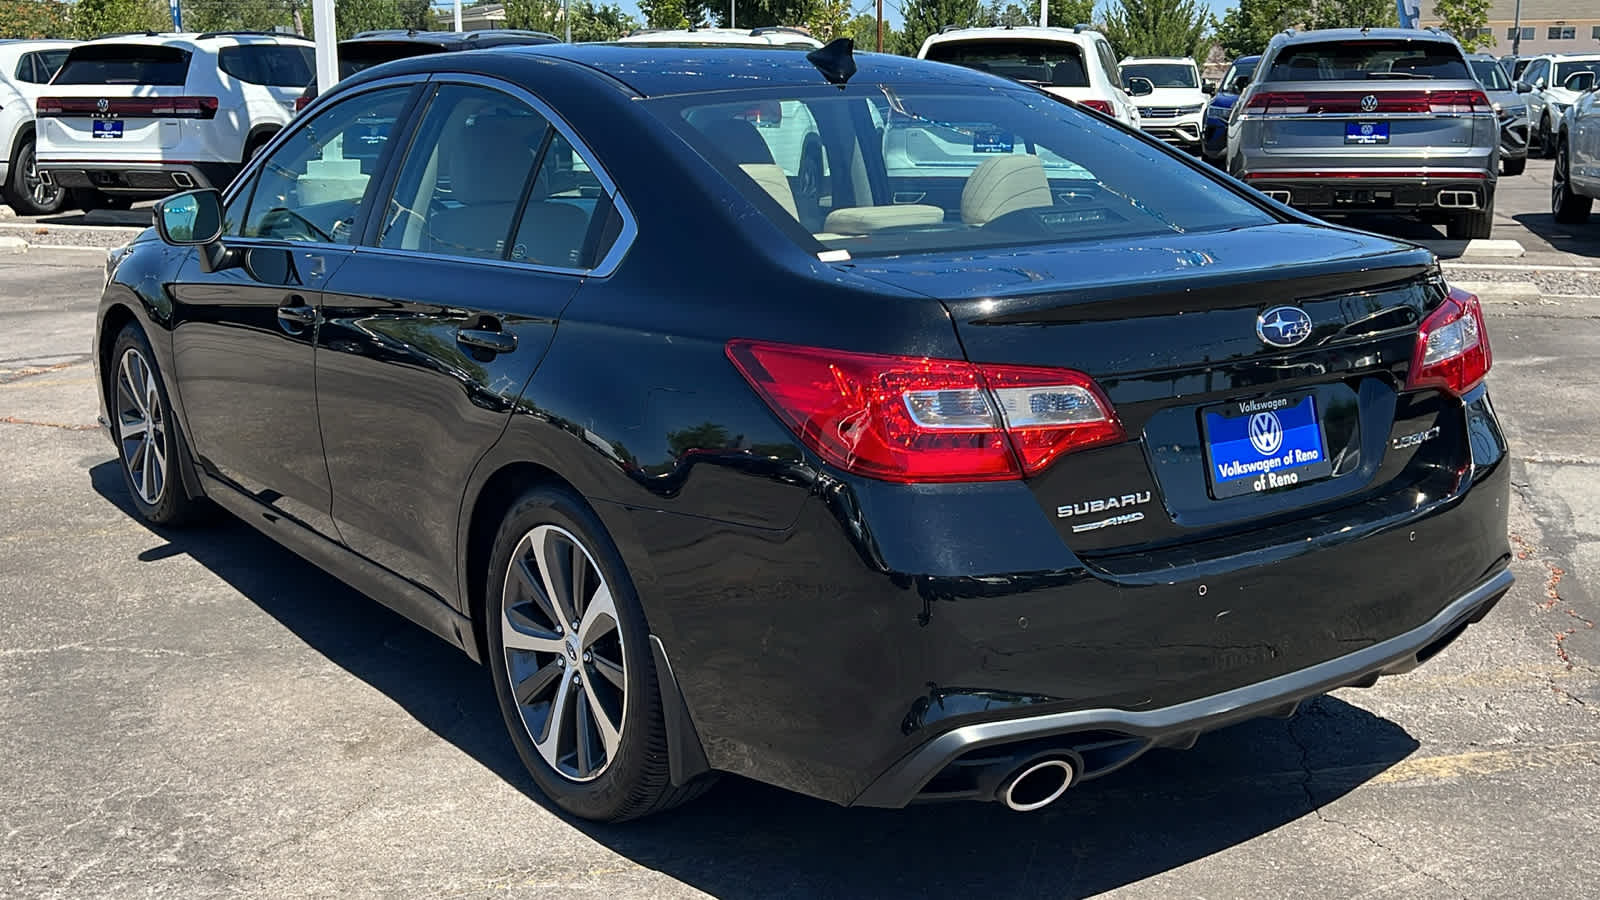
[1369,103]
[1266,433]
[102,104]
[1283,326]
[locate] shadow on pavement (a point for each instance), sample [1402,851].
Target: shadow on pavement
[1581,240]
[744,839]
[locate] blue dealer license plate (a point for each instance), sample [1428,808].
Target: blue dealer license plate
[1366,132]
[107,129]
[1260,445]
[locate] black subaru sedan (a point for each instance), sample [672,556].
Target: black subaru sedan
[998,449]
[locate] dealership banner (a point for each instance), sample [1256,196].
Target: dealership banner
[1409,10]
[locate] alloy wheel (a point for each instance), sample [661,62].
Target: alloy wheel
[1558,181]
[565,659]
[141,426]
[42,195]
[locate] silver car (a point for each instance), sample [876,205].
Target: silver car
[1511,106]
[1370,120]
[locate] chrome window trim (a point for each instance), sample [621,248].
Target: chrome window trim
[625,237]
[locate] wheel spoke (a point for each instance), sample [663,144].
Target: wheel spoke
[534,686]
[131,382]
[580,733]
[579,567]
[147,471]
[519,633]
[609,736]
[133,429]
[550,735]
[534,590]
[599,619]
[610,671]
[553,579]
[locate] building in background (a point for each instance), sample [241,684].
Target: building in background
[1548,26]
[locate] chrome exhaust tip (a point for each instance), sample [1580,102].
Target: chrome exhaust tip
[182,179]
[1037,784]
[1458,199]
[1280,196]
[47,179]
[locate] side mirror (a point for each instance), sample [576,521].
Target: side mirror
[1209,88]
[1139,86]
[1540,84]
[1524,88]
[1239,84]
[190,219]
[1579,82]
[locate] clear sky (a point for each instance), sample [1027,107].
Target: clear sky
[891,8]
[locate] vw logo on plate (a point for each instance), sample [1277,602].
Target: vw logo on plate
[1266,433]
[1369,103]
[1283,326]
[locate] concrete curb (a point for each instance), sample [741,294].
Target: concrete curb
[1488,248]
[1502,291]
[13,245]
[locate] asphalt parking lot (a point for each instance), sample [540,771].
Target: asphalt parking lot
[199,713]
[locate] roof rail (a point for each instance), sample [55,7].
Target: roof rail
[216,34]
[117,34]
[949,28]
[1081,27]
[779,29]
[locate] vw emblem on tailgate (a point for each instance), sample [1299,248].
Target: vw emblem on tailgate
[102,104]
[1369,103]
[1283,326]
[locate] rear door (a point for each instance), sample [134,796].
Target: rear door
[438,321]
[120,102]
[1370,104]
[244,335]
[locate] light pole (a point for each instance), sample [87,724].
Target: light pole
[327,44]
[457,5]
[730,15]
[880,26]
[1516,30]
[566,18]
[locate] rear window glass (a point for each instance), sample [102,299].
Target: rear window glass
[1036,62]
[1490,75]
[1565,70]
[880,170]
[125,64]
[1362,60]
[358,56]
[1162,75]
[268,64]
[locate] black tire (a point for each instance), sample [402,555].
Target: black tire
[1568,208]
[634,781]
[1513,166]
[1547,139]
[24,192]
[1472,225]
[129,389]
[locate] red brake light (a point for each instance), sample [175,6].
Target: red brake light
[301,103]
[914,419]
[129,107]
[1452,346]
[1098,105]
[1284,103]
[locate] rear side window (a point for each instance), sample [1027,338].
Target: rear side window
[356,56]
[1364,60]
[40,66]
[125,64]
[1036,62]
[1490,75]
[271,65]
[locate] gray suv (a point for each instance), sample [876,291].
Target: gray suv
[1370,120]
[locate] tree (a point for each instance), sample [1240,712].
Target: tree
[605,22]
[92,18]
[925,17]
[534,15]
[1066,13]
[665,13]
[1158,28]
[35,19]
[1465,19]
[1353,14]
[863,29]
[1005,13]
[1245,29]
[828,19]
[233,15]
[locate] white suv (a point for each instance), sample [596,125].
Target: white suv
[1549,98]
[25,67]
[146,115]
[1075,63]
[1175,110]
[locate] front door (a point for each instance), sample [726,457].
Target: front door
[244,334]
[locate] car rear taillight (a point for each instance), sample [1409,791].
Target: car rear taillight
[914,419]
[1285,103]
[1452,346]
[129,107]
[301,103]
[1098,105]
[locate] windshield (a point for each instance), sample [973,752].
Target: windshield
[1565,70]
[1360,60]
[1490,75]
[1036,62]
[1163,75]
[888,170]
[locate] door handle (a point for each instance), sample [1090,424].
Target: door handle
[484,339]
[296,311]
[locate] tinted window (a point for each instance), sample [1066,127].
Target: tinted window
[355,56]
[268,64]
[1565,70]
[1231,83]
[1358,60]
[1490,75]
[312,186]
[942,169]
[40,66]
[1036,62]
[1162,75]
[466,174]
[125,64]
[563,203]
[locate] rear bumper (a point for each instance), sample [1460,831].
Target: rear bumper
[1093,734]
[1357,189]
[151,179]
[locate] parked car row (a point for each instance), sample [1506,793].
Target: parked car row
[25,68]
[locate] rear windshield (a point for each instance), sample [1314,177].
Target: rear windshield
[1565,70]
[1490,75]
[270,64]
[885,170]
[1162,75]
[125,64]
[355,57]
[1036,62]
[1361,60]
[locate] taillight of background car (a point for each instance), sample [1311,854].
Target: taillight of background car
[1097,105]
[914,419]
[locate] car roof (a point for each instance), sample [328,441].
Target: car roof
[658,70]
[775,36]
[453,40]
[1159,59]
[194,40]
[1020,32]
[1356,34]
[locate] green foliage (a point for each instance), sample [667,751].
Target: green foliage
[353,16]
[35,19]
[665,13]
[1009,14]
[1245,29]
[536,15]
[828,19]
[237,15]
[1066,13]
[605,22]
[925,17]
[863,29]
[1158,28]
[1464,18]
[1353,14]
[92,18]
